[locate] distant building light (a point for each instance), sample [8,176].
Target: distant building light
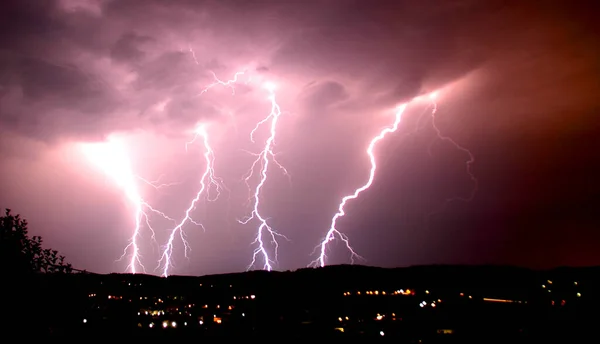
[85,321]
[578,294]
[575,283]
[243,314]
[445,331]
[381,333]
[252,297]
[200,322]
[165,324]
[340,318]
[426,291]
[151,325]
[497,300]
[174,324]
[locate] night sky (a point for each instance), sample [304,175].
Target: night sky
[518,85]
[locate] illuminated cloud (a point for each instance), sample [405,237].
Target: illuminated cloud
[514,75]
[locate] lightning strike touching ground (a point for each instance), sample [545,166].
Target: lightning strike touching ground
[207,180]
[469,164]
[333,231]
[110,157]
[265,157]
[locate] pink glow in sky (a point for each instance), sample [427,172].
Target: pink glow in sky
[517,86]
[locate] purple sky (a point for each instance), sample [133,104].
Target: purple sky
[519,88]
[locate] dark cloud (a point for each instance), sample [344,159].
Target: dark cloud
[62,85]
[518,86]
[320,96]
[19,20]
[128,48]
[144,51]
[189,111]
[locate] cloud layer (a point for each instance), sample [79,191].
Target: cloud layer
[513,76]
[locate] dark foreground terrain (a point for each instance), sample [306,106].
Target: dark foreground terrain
[429,304]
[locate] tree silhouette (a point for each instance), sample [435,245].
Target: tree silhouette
[24,255]
[35,280]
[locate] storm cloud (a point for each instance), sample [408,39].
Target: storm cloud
[518,86]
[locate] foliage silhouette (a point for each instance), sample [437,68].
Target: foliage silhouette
[35,281]
[23,254]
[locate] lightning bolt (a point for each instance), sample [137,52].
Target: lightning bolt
[264,158]
[193,53]
[333,231]
[207,180]
[229,83]
[156,183]
[470,157]
[110,157]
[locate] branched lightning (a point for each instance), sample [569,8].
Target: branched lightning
[110,157]
[156,183]
[333,231]
[264,158]
[468,165]
[207,180]
[229,83]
